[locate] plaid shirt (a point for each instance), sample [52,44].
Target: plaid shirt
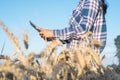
[88,16]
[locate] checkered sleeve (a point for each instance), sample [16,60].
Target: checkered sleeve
[64,34]
[85,20]
[81,21]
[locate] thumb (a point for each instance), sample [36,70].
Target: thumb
[39,28]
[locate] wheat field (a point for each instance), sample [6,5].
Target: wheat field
[80,64]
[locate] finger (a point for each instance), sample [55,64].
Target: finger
[41,33]
[45,38]
[42,36]
[49,39]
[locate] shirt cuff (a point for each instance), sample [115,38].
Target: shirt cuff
[56,33]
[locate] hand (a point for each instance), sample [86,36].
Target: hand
[46,34]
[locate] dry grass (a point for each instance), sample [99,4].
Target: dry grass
[80,64]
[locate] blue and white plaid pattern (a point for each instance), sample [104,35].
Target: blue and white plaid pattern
[88,16]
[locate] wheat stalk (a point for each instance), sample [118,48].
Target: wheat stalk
[68,65]
[45,53]
[25,39]
[14,40]
[12,69]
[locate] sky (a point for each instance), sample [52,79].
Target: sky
[50,14]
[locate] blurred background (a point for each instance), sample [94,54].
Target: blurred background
[50,14]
